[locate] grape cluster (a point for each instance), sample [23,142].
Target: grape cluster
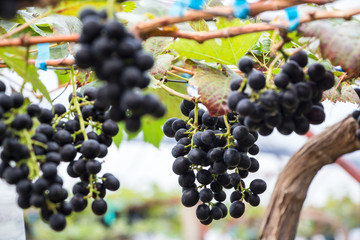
[213,151]
[291,106]
[36,140]
[117,57]
[8,8]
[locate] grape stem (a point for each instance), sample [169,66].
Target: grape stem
[34,167]
[196,115]
[40,144]
[110,9]
[228,133]
[177,76]
[174,93]
[92,189]
[77,105]
[180,69]
[72,109]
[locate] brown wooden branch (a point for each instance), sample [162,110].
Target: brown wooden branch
[183,70]
[51,62]
[27,41]
[142,29]
[151,28]
[283,211]
[251,28]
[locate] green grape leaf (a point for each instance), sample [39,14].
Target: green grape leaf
[23,16]
[5,26]
[150,127]
[128,6]
[214,3]
[73,8]
[226,51]
[263,45]
[2,30]
[132,135]
[162,65]
[120,136]
[14,58]
[199,26]
[172,103]
[213,86]
[157,45]
[339,42]
[63,77]
[152,130]
[61,25]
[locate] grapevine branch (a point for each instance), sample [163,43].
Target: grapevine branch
[150,28]
[175,93]
[290,191]
[251,28]
[183,70]
[145,28]
[52,62]
[27,41]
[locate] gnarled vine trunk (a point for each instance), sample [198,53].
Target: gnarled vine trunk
[282,215]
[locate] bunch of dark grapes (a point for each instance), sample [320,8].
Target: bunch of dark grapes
[291,107]
[36,140]
[8,8]
[117,57]
[87,166]
[211,155]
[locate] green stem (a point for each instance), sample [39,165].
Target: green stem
[177,76]
[71,109]
[196,115]
[228,133]
[92,189]
[175,93]
[34,167]
[110,8]
[77,105]
[51,206]
[242,86]
[40,144]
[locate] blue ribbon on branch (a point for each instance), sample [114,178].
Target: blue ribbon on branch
[179,7]
[293,16]
[43,55]
[241,9]
[196,4]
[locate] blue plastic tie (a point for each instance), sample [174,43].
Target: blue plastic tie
[43,55]
[241,9]
[196,4]
[178,8]
[293,16]
[110,216]
[339,69]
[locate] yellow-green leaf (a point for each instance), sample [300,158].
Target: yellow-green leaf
[72,8]
[152,130]
[199,26]
[226,51]
[15,59]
